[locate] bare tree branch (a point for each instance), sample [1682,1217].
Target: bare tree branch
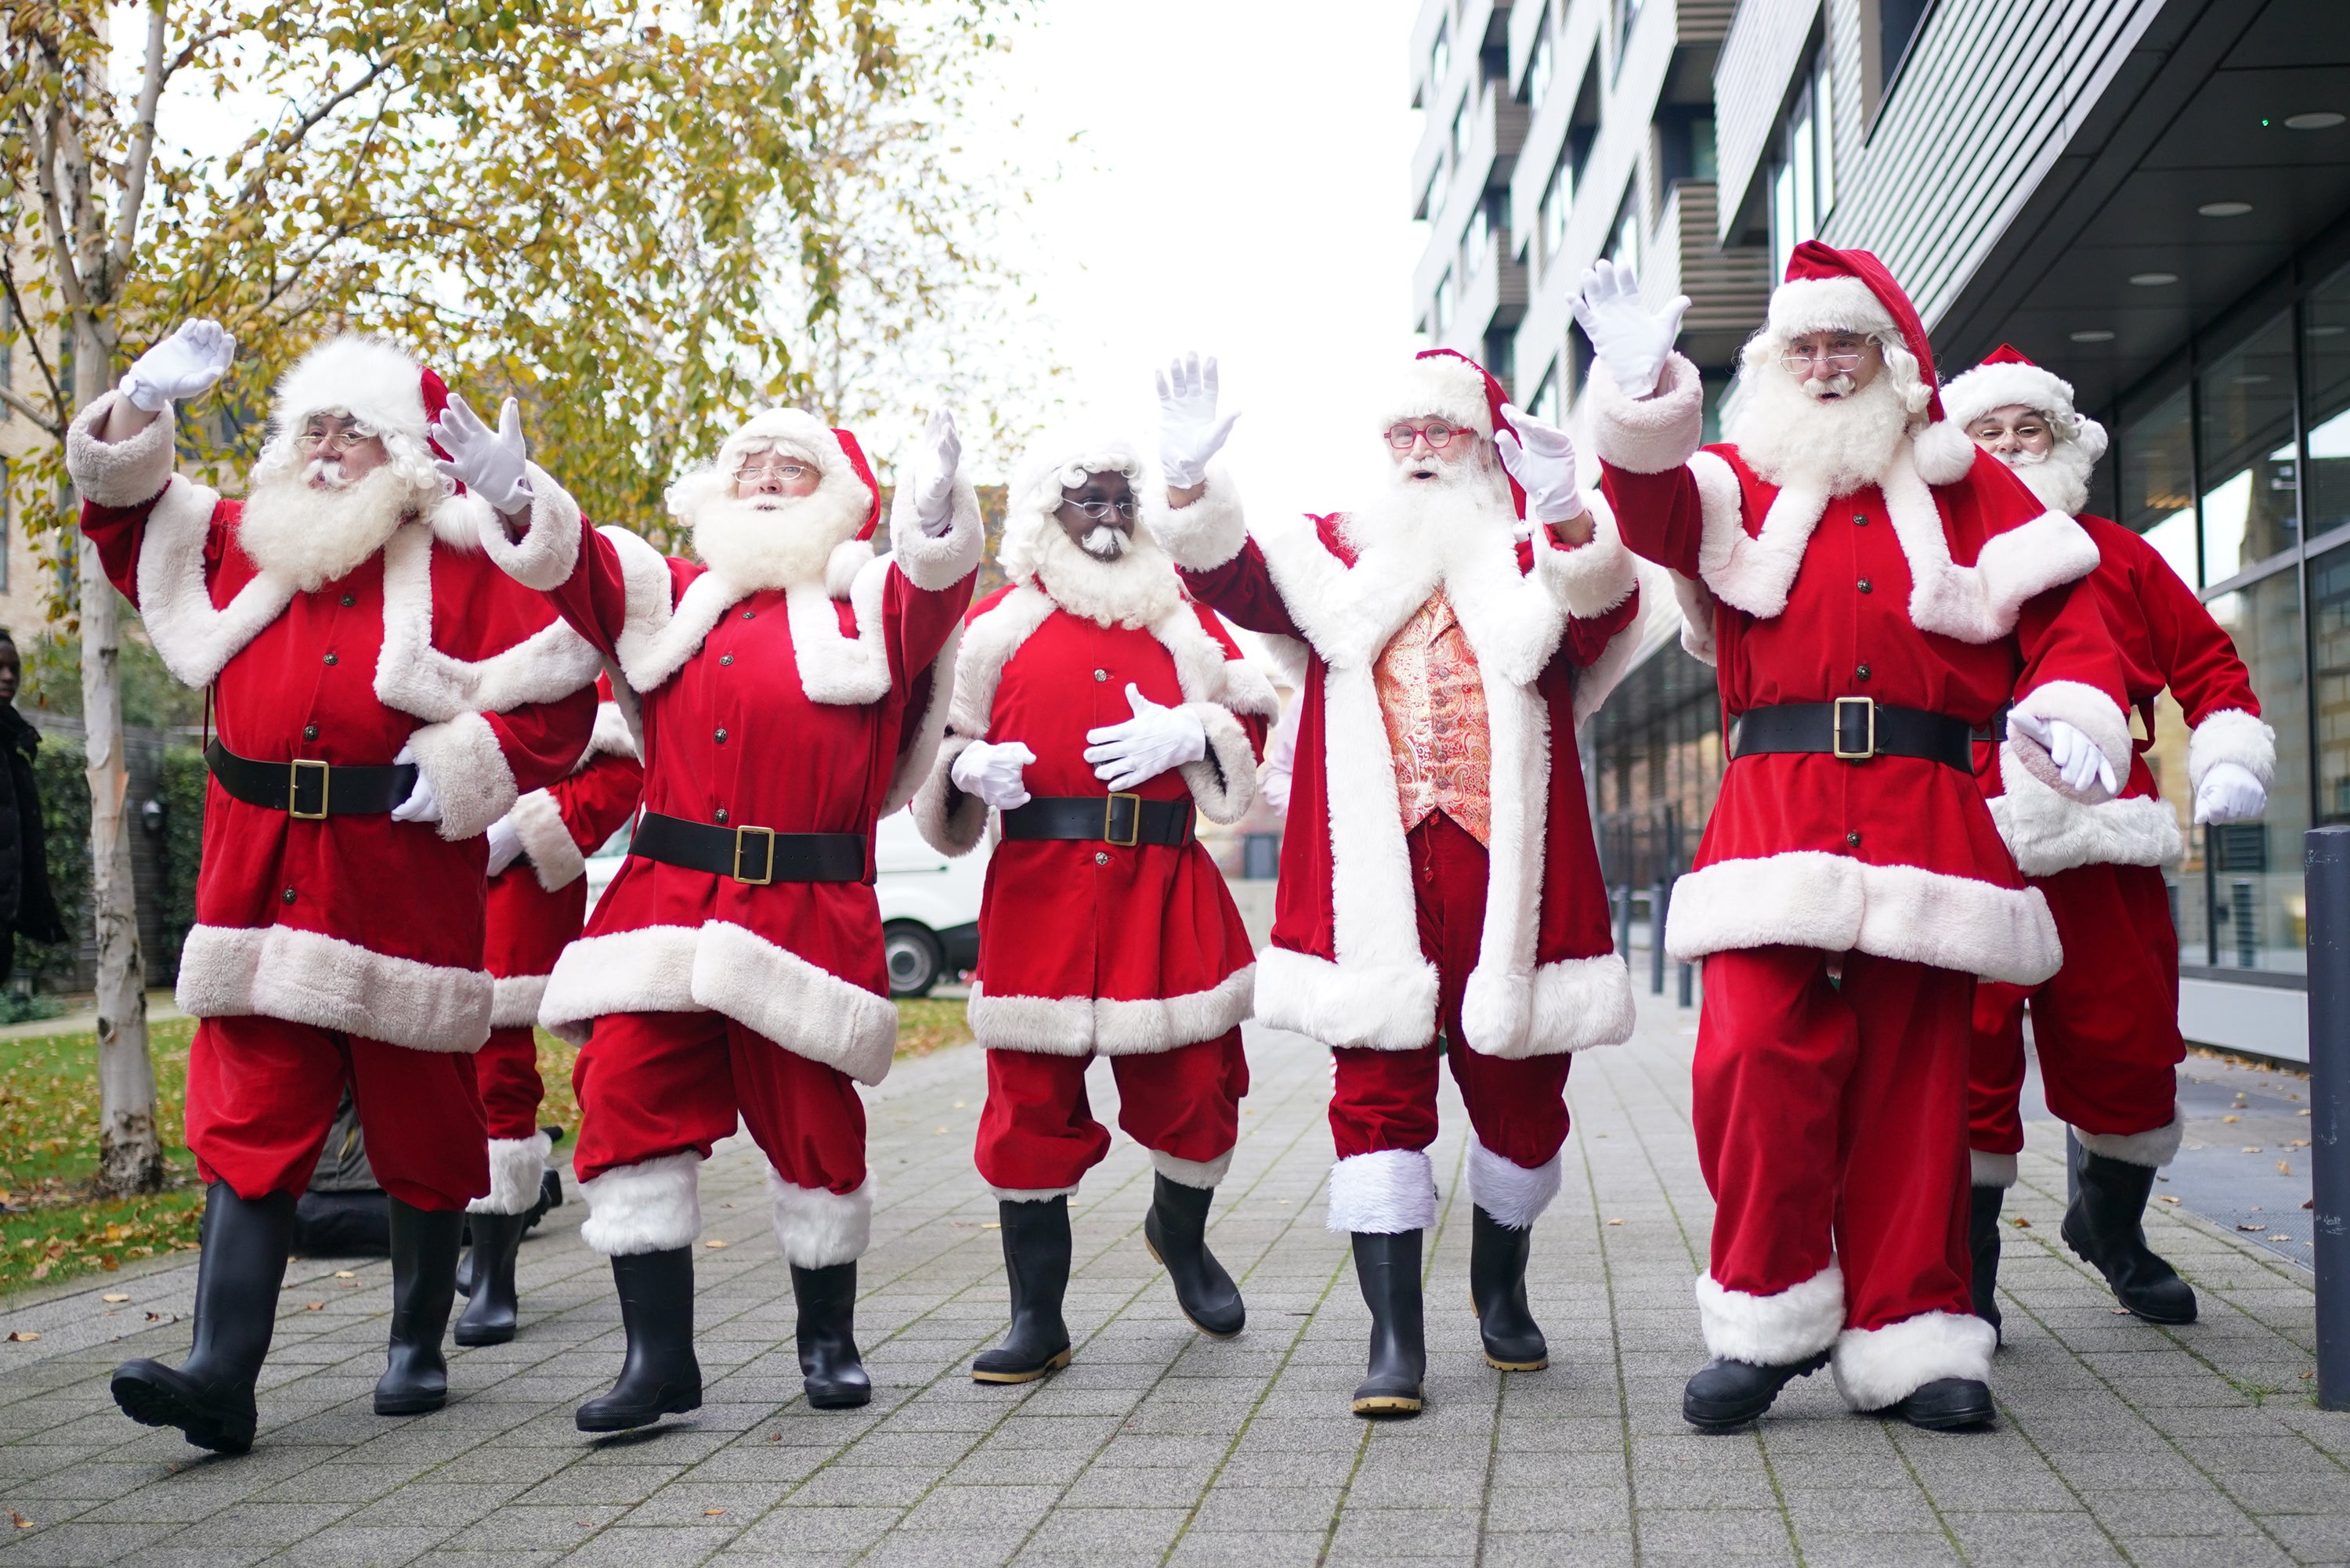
[49,426]
[142,136]
[31,339]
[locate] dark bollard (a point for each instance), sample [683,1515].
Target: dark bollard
[1661,901]
[1688,997]
[1623,895]
[2328,868]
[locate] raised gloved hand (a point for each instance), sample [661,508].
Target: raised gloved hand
[989,770]
[1542,460]
[1626,337]
[1189,433]
[181,365]
[942,458]
[423,803]
[2230,793]
[505,844]
[1143,747]
[493,465]
[2079,762]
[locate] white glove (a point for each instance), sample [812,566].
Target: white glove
[181,365]
[2230,793]
[1189,433]
[934,499]
[493,466]
[1542,460]
[1626,337]
[991,770]
[1145,746]
[505,843]
[422,803]
[2079,762]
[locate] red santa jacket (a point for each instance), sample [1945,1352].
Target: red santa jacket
[355,923]
[1098,947]
[1948,597]
[790,711]
[2165,638]
[1548,627]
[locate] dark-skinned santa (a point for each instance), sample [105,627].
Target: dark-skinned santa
[382,694]
[1440,901]
[1872,592]
[2105,1026]
[1097,714]
[790,687]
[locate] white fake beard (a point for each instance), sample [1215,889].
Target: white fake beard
[316,536]
[1467,502]
[1137,588]
[2060,479]
[1789,436]
[760,542]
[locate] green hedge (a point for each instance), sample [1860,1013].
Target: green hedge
[182,850]
[58,769]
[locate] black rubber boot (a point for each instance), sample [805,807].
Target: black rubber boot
[1037,1260]
[830,1368]
[1387,1269]
[466,1264]
[1982,1244]
[1497,1289]
[424,1246]
[1948,1404]
[209,1396]
[491,1307]
[2103,1226]
[1727,1395]
[659,1377]
[1176,1231]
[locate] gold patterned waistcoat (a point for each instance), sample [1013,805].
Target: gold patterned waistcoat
[1433,703]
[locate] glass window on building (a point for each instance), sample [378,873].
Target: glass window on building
[1439,57]
[1475,241]
[2250,913]
[2248,472]
[1623,241]
[1442,313]
[1543,404]
[2325,382]
[1461,128]
[1558,197]
[1803,169]
[2158,482]
[1539,69]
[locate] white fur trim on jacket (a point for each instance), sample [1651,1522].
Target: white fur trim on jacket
[1512,1193]
[546,555]
[1593,579]
[119,472]
[1776,1330]
[1811,898]
[417,677]
[1387,1007]
[2155,1147]
[469,773]
[1206,1174]
[1991,1170]
[518,1166]
[1204,535]
[1082,1026]
[2048,832]
[195,639]
[515,1000]
[652,1207]
[614,735]
[950,821]
[554,857]
[1223,782]
[1383,1193]
[721,966]
[307,977]
[1876,1367]
[935,563]
[1654,434]
[2231,735]
[2087,710]
[817,1228]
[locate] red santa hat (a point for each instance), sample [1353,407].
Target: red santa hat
[1829,290]
[2007,380]
[1446,384]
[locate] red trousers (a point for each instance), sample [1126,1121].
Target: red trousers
[1833,1116]
[508,1066]
[1037,1132]
[262,1094]
[2106,1025]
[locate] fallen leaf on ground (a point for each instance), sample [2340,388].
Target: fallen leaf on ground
[2310,1204]
[2020,1223]
[19,1520]
[2252,1227]
[2251,1148]
[2165,1197]
[993,1225]
[1615,1221]
[24,1336]
[345,1274]
[114,1296]
[2279,1236]
[2307,1376]
[713,1242]
[2232,1119]
[316,1306]
[2284,1168]
[711,1512]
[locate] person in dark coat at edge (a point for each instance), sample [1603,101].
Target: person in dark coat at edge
[28,906]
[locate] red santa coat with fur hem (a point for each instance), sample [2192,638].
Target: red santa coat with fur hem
[1147,951]
[355,923]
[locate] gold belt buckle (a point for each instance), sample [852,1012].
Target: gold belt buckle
[743,834]
[1109,821]
[294,789]
[1835,736]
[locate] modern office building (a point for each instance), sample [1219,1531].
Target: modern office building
[2151,197]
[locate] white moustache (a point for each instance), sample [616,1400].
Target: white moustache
[325,473]
[1828,386]
[1104,543]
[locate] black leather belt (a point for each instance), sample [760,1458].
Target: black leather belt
[751,855]
[309,789]
[1125,820]
[1856,728]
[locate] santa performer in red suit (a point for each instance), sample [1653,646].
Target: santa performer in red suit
[1100,714]
[538,901]
[1872,592]
[2106,1024]
[790,689]
[1440,897]
[383,694]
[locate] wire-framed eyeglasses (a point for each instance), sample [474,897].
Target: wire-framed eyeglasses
[1439,433]
[1838,360]
[322,434]
[784,468]
[1102,510]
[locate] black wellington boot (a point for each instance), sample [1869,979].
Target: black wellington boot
[1726,1394]
[1497,1288]
[209,1396]
[659,1377]
[466,1264]
[491,1307]
[1982,1243]
[1176,1231]
[1947,1404]
[829,1365]
[424,1247]
[1387,1269]
[2103,1227]
[1036,1259]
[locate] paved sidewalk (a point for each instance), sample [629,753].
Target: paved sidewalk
[2118,1442]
